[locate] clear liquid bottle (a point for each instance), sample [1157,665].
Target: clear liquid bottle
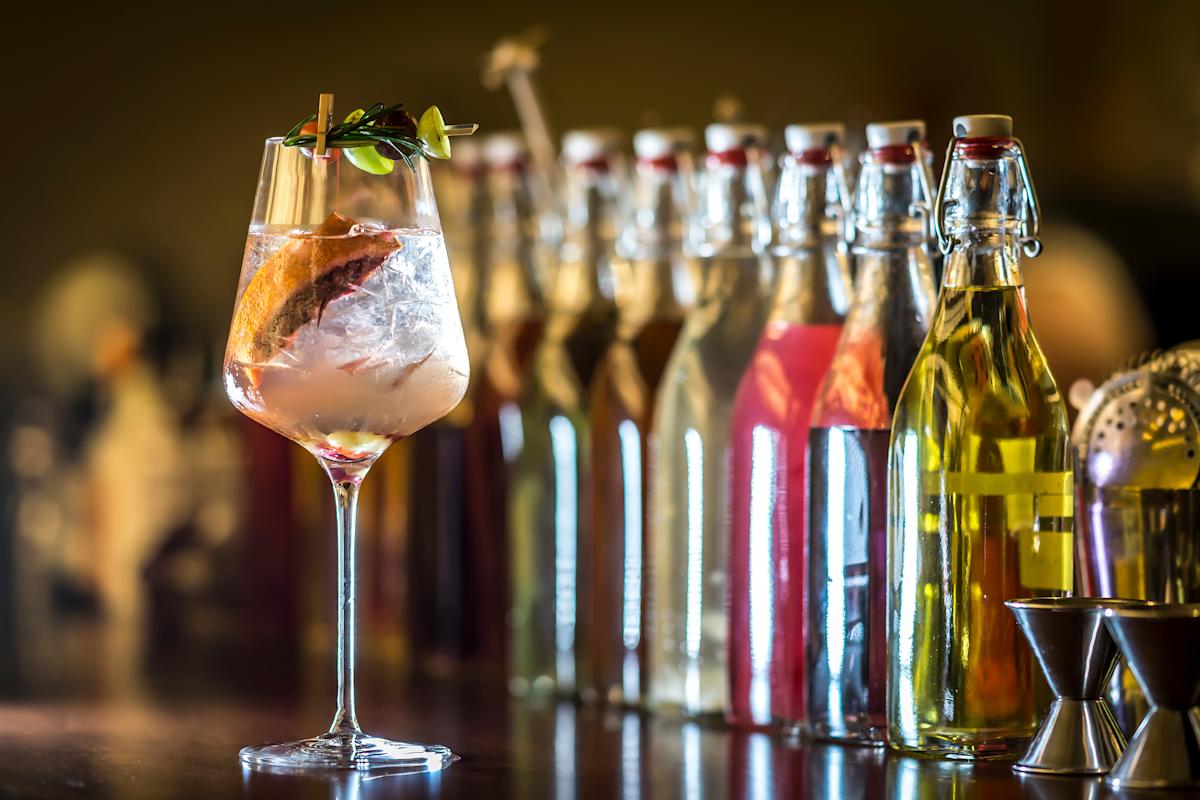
[653,292]
[770,431]
[846,539]
[548,517]
[689,451]
[980,492]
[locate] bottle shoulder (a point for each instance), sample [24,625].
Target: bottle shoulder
[981,371]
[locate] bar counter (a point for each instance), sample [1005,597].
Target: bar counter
[163,749]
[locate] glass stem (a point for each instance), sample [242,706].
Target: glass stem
[346,479]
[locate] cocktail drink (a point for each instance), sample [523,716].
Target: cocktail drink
[361,344]
[345,338]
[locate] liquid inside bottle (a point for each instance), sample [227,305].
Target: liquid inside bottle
[690,440]
[653,291]
[549,523]
[846,540]
[769,434]
[980,500]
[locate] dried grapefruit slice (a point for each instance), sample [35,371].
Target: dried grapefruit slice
[293,286]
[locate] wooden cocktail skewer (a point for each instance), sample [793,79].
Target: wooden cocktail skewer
[324,116]
[461,129]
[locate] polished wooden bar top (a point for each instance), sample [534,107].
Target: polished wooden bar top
[159,749]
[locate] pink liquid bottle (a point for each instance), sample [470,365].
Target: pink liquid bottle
[846,545]
[771,415]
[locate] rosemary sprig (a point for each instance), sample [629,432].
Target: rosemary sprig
[362,133]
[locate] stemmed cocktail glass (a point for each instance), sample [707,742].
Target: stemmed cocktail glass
[345,338]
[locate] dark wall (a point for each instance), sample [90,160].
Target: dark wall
[142,127]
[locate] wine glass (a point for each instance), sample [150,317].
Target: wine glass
[345,337]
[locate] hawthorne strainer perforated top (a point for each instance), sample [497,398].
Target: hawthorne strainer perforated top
[1141,427]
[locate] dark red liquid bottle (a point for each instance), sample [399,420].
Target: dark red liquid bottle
[846,631]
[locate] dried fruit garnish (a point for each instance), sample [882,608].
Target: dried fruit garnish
[293,287]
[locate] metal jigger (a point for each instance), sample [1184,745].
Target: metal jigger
[1079,736]
[1161,644]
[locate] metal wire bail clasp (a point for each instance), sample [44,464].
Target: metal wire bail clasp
[844,210]
[945,243]
[1031,245]
[1032,223]
[922,209]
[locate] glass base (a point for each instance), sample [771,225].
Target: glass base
[356,751]
[852,732]
[963,744]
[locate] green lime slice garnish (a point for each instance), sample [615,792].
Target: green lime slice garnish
[367,158]
[431,130]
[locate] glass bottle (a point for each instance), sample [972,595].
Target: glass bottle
[689,449]
[770,431]
[652,294]
[513,281]
[548,517]
[846,538]
[512,307]
[441,601]
[980,494]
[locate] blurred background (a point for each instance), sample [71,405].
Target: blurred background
[153,540]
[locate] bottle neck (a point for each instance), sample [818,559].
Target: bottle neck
[656,278]
[894,292]
[891,201]
[732,219]
[984,207]
[512,212]
[585,271]
[810,202]
[516,277]
[592,192]
[660,202]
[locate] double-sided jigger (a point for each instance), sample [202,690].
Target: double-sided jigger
[1079,736]
[1161,644]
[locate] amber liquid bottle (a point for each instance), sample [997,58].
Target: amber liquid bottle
[653,291]
[980,501]
[548,518]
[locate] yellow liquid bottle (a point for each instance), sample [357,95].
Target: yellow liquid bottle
[980,492]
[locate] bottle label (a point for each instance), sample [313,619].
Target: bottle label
[1035,503]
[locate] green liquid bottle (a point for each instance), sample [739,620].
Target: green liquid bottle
[980,492]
